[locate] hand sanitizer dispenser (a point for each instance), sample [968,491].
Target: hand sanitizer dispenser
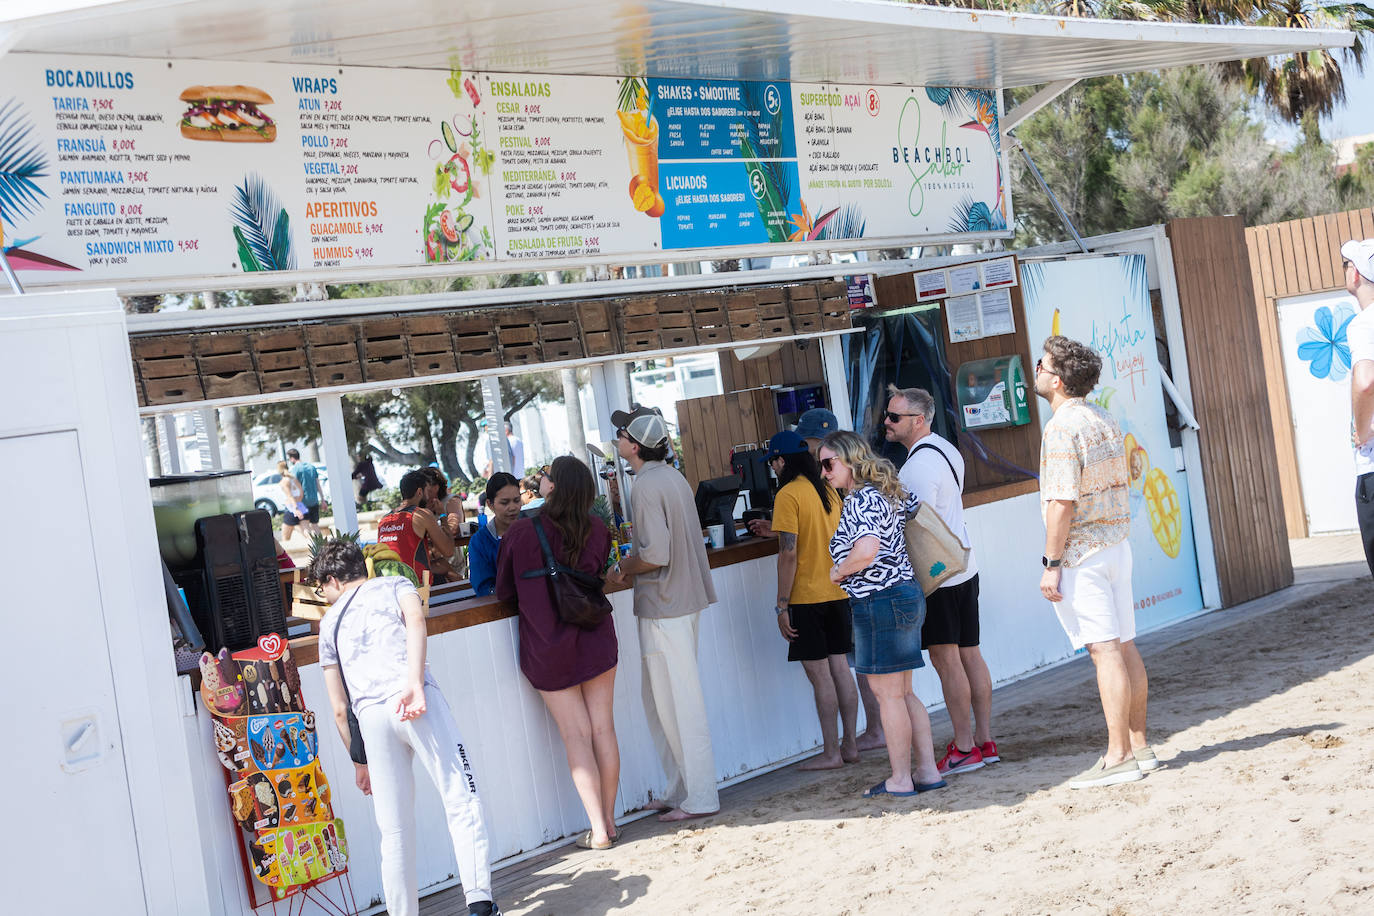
[992,393]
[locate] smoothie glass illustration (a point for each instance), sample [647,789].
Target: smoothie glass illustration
[641,146]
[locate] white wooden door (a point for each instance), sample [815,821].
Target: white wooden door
[67,794]
[1311,338]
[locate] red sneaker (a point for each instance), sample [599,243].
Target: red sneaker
[957,761]
[989,750]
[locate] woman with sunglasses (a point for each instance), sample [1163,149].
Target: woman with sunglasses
[888,607]
[573,669]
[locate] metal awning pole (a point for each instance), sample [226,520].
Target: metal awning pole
[1054,201]
[9,272]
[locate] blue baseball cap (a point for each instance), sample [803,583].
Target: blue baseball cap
[784,443]
[816,423]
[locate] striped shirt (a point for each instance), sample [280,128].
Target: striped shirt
[867,513]
[1083,458]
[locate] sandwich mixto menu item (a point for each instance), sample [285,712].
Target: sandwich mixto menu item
[130,168]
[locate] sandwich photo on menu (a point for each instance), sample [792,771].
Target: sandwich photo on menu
[227,113]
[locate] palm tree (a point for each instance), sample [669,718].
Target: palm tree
[1299,88]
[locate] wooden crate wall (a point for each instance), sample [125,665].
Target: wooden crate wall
[185,368]
[1230,385]
[711,426]
[798,362]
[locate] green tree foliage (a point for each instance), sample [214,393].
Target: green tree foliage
[411,427]
[1122,152]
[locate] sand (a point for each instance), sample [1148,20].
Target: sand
[1263,718]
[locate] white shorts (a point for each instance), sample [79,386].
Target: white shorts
[1098,605]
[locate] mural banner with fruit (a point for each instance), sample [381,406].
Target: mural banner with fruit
[119,168]
[266,740]
[1105,302]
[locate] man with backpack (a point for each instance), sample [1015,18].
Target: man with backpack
[934,471]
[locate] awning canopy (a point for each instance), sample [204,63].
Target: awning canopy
[862,42]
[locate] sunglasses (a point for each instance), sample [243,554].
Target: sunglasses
[894,417]
[1040,367]
[319,591]
[828,464]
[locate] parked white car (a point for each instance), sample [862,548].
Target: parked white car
[267,492]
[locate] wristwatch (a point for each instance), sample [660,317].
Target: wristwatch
[1051,564]
[779,610]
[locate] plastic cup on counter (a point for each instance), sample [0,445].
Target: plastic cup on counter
[717,535]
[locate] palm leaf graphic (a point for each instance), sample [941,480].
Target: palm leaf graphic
[263,230]
[21,163]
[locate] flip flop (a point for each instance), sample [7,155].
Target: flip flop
[585,842]
[882,789]
[930,786]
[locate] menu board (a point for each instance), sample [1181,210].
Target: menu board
[121,168]
[266,739]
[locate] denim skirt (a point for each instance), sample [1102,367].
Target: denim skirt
[887,629]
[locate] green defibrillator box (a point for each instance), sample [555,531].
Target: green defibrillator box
[992,393]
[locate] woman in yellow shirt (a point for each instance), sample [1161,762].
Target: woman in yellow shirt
[813,612]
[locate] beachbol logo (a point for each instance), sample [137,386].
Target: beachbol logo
[772,99]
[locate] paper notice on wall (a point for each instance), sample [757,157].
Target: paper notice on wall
[964,323]
[931,284]
[995,308]
[1001,272]
[964,280]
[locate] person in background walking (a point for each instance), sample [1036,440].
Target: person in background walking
[503,499]
[934,473]
[309,478]
[365,479]
[573,669]
[672,586]
[294,513]
[813,426]
[871,564]
[1359,282]
[813,612]
[372,654]
[1084,493]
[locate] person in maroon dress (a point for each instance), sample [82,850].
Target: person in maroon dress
[573,669]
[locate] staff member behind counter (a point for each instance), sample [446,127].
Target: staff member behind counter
[503,500]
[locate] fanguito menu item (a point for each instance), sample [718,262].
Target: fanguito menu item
[227,113]
[265,737]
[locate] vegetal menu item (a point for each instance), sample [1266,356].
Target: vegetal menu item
[227,113]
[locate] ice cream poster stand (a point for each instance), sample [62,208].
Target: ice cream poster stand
[279,796]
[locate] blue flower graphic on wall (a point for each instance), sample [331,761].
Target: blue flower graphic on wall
[1325,347]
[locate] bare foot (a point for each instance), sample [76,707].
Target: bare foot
[868,741]
[677,814]
[823,762]
[657,804]
[849,750]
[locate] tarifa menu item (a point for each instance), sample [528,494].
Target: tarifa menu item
[227,113]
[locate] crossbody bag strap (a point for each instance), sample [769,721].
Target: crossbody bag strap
[941,453]
[348,701]
[550,567]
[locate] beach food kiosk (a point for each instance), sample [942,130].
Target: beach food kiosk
[176,147]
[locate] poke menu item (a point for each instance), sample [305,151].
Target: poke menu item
[266,739]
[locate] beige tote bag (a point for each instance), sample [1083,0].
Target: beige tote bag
[936,554]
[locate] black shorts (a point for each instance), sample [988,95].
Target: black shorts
[823,629]
[291,519]
[952,616]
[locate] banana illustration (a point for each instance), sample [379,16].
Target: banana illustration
[1054,325]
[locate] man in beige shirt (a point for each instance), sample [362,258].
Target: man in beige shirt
[1084,495]
[672,585]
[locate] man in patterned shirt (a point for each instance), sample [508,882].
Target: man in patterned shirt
[1084,494]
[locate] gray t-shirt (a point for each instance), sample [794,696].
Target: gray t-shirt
[372,641]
